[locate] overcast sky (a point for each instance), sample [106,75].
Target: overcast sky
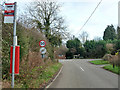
[76,12]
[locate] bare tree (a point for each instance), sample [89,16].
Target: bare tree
[83,36]
[97,38]
[45,17]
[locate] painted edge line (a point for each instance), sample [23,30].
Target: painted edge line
[54,78]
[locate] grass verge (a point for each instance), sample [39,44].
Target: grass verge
[38,77]
[116,69]
[99,62]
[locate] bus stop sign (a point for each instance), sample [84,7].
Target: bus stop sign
[9,13]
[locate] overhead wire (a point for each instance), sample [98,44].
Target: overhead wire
[89,16]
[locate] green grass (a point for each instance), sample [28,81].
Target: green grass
[99,62]
[49,72]
[116,69]
[38,76]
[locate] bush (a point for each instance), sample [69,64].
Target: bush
[113,59]
[28,39]
[95,49]
[106,57]
[69,55]
[82,52]
[117,45]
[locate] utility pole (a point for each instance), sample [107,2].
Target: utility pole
[14,44]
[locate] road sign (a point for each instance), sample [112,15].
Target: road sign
[42,50]
[42,43]
[9,13]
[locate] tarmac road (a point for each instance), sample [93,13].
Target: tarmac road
[79,73]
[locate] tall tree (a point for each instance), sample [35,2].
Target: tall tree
[74,45]
[45,17]
[118,32]
[97,38]
[109,33]
[83,36]
[95,49]
[117,45]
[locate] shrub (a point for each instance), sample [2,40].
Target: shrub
[28,39]
[106,57]
[69,55]
[113,59]
[95,49]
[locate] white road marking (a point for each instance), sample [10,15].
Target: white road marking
[78,66]
[82,68]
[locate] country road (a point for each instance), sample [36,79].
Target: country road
[79,73]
